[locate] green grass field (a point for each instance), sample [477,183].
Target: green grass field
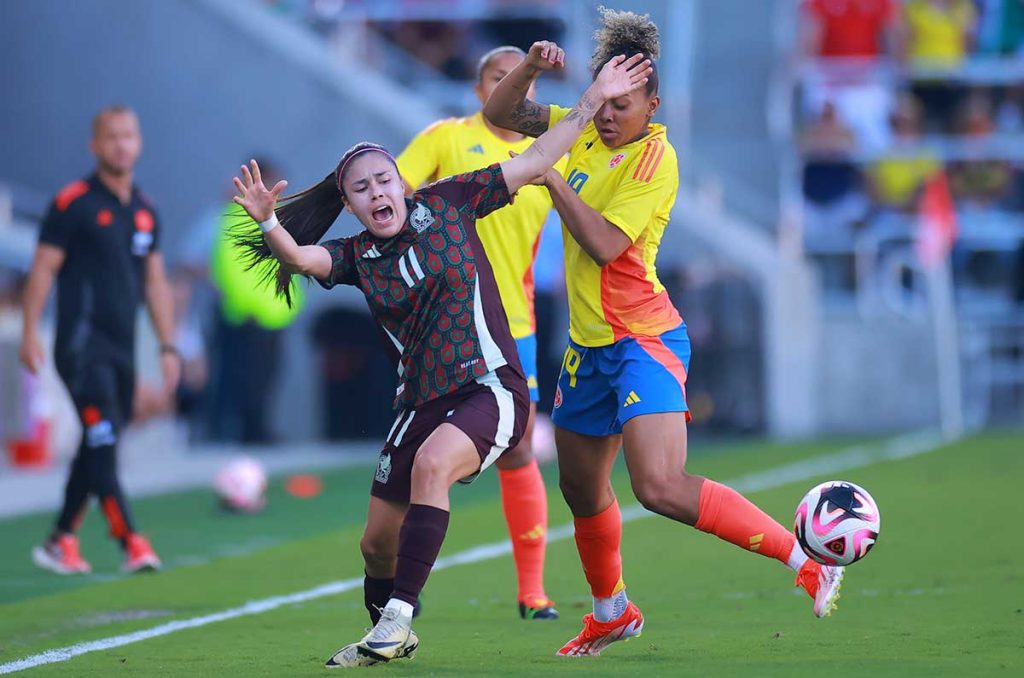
[941,595]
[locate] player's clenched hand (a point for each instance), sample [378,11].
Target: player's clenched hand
[620,76]
[546,56]
[254,196]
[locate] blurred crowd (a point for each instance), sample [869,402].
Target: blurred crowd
[895,95]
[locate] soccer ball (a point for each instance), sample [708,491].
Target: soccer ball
[837,523]
[241,485]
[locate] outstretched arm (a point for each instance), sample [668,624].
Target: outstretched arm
[259,203]
[617,78]
[508,105]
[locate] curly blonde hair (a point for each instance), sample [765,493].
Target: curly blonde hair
[626,33]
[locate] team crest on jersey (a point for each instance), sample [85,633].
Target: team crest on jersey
[616,159]
[558,396]
[383,468]
[421,218]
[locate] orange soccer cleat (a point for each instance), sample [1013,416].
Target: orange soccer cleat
[822,583]
[596,635]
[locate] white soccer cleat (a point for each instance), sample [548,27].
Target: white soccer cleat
[350,657]
[822,583]
[386,640]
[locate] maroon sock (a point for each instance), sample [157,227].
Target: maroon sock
[375,595]
[419,542]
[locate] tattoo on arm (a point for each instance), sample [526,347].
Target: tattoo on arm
[582,113]
[529,117]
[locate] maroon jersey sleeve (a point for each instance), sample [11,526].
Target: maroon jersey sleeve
[343,263]
[479,192]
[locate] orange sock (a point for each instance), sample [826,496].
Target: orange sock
[598,539]
[525,500]
[728,515]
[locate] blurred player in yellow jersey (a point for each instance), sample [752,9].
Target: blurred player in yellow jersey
[511,237]
[624,373]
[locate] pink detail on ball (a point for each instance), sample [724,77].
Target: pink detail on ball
[863,540]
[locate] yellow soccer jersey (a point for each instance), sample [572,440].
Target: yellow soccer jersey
[510,235]
[633,187]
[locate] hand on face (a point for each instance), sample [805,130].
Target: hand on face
[620,76]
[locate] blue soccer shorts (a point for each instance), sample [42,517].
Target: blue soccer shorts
[527,347]
[601,388]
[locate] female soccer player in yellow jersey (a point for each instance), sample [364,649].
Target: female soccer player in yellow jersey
[624,373]
[510,237]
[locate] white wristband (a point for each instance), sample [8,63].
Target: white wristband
[270,224]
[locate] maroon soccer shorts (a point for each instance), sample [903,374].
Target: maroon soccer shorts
[492,411]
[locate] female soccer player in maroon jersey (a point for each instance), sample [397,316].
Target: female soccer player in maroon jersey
[462,398]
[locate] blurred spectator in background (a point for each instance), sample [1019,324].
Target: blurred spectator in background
[979,181]
[246,343]
[864,29]
[895,180]
[1011,26]
[833,197]
[831,180]
[857,33]
[439,44]
[940,35]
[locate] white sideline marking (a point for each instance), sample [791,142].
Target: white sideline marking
[858,456]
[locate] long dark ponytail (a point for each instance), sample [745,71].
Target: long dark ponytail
[306,215]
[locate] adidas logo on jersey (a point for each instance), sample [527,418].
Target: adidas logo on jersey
[631,399]
[476,149]
[371,253]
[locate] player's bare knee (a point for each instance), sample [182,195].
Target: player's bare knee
[663,496]
[378,553]
[431,469]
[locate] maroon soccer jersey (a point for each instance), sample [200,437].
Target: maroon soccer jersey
[431,290]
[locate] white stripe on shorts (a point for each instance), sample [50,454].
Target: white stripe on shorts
[405,427]
[506,417]
[398,419]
